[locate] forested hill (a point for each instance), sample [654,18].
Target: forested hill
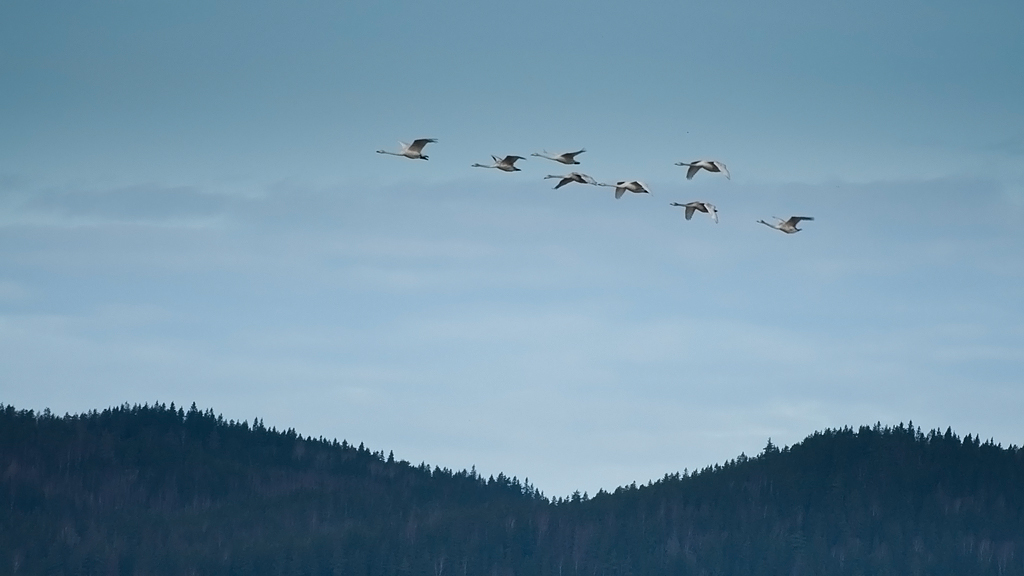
[160,490]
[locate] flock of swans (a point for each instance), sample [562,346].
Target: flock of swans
[414,151]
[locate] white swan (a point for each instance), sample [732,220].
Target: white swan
[709,165]
[566,158]
[787,226]
[572,177]
[634,186]
[414,150]
[704,207]
[506,164]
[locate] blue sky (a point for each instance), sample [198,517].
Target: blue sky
[191,210]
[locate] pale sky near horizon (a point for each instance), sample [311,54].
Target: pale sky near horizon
[191,210]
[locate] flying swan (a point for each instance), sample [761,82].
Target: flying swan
[634,186]
[570,178]
[414,150]
[787,226]
[506,164]
[704,207]
[566,158]
[709,165]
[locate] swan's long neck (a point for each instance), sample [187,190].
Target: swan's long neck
[392,153]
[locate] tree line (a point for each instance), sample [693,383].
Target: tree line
[157,489]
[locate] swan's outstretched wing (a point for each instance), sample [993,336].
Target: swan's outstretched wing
[510,160]
[572,155]
[417,145]
[721,167]
[563,182]
[689,212]
[619,191]
[794,220]
[691,171]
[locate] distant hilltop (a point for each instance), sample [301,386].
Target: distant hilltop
[160,490]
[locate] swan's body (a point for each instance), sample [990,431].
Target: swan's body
[787,226]
[566,158]
[709,165]
[414,150]
[704,207]
[506,164]
[634,186]
[572,177]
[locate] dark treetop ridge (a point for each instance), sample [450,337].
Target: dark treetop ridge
[156,489]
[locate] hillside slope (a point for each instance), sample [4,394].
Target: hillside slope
[161,490]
